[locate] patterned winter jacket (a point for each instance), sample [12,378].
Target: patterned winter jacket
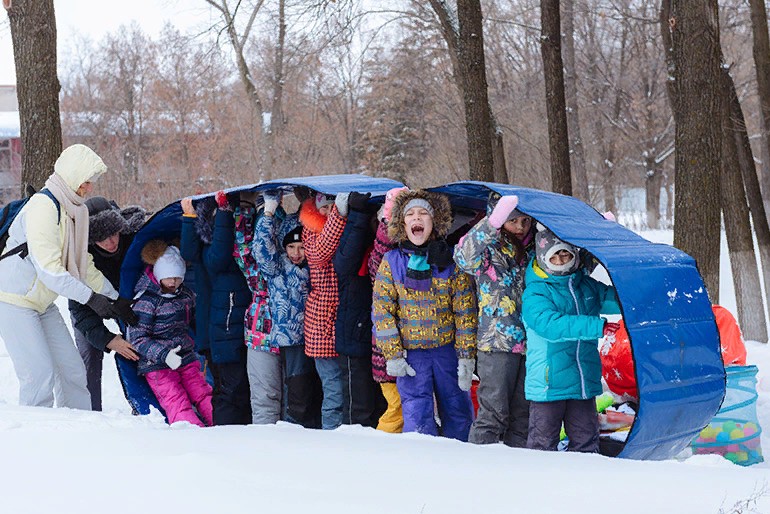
[499,277]
[164,322]
[257,323]
[321,236]
[561,316]
[287,283]
[382,245]
[406,319]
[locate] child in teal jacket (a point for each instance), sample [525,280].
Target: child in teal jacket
[560,309]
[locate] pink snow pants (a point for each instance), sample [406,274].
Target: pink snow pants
[178,390]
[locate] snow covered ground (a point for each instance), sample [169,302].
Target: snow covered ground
[61,460]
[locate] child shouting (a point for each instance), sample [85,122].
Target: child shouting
[424,311]
[164,307]
[560,308]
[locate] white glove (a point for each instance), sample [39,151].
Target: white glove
[173,360]
[465,373]
[341,201]
[271,199]
[398,367]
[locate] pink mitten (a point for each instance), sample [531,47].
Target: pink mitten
[609,216]
[390,197]
[502,210]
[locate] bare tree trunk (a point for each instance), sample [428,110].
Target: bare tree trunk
[475,93]
[464,36]
[578,163]
[556,109]
[498,151]
[743,260]
[652,182]
[276,114]
[751,184]
[761,50]
[696,102]
[33,32]
[238,43]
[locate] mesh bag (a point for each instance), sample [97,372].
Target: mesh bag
[734,432]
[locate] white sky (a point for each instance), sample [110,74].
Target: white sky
[95,18]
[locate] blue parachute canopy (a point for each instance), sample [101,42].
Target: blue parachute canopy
[167,222]
[674,338]
[673,334]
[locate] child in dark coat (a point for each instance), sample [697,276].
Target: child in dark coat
[164,307]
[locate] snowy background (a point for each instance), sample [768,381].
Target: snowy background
[61,460]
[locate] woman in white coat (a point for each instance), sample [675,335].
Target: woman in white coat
[56,263]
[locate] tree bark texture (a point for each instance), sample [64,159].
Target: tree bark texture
[653,181]
[475,93]
[751,183]
[690,30]
[465,42]
[743,260]
[33,32]
[556,109]
[761,49]
[276,114]
[577,151]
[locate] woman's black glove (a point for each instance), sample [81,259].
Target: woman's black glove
[106,308]
[440,253]
[124,310]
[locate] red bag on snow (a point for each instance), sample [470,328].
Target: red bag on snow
[618,364]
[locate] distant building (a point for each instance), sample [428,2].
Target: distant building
[10,145]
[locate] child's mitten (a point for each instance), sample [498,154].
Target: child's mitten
[271,200]
[505,206]
[341,201]
[173,360]
[465,373]
[398,367]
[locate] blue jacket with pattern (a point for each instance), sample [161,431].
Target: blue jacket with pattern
[287,283]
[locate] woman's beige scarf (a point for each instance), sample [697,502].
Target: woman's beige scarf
[75,250]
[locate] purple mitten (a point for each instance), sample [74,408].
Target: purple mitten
[502,210]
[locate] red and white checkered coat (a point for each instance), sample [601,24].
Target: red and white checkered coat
[320,236]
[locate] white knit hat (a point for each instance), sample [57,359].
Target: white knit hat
[169,265]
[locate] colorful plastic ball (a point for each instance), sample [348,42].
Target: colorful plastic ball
[737,434]
[709,432]
[723,437]
[742,456]
[733,448]
[732,457]
[728,426]
[749,431]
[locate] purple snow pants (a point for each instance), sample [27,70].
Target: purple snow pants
[436,373]
[178,390]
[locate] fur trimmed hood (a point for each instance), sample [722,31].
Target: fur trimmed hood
[442,214]
[205,211]
[153,250]
[310,217]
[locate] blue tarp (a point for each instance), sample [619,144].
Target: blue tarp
[674,337]
[167,223]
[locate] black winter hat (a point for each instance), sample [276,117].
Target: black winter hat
[104,219]
[294,236]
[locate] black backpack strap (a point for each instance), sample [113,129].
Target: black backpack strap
[23,250]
